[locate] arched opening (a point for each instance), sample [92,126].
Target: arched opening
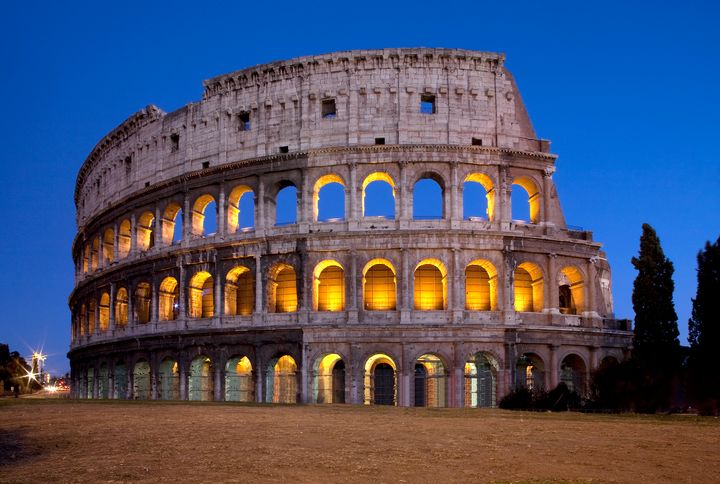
[608,361]
[525,200]
[573,373]
[94,253]
[172,223]
[380,381]
[281,380]
[90,379]
[528,288]
[86,259]
[530,372]
[120,381]
[478,197]
[169,299]
[329,199]
[239,292]
[481,371]
[83,319]
[241,209]
[145,232]
[91,316]
[200,382]
[286,204]
[430,285]
[428,203]
[168,380]
[108,246]
[121,307]
[141,380]
[328,286]
[104,312]
[282,289]
[378,196]
[329,379]
[201,296]
[239,381]
[571,291]
[379,286]
[124,235]
[204,216]
[430,382]
[143,295]
[103,382]
[481,286]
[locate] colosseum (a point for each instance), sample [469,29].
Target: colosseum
[271,242]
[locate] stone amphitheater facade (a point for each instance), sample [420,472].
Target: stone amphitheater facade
[454,310]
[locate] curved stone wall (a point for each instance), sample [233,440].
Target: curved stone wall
[448,311]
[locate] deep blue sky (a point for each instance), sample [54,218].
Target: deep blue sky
[628,92]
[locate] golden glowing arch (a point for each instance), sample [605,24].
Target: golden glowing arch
[489,186]
[319,184]
[198,213]
[379,285]
[233,208]
[481,286]
[168,222]
[329,286]
[533,192]
[377,176]
[430,285]
[528,286]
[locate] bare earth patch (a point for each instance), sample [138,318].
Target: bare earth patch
[44,441]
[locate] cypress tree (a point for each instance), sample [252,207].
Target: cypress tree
[656,349]
[704,326]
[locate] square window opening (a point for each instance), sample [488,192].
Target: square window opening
[427,104]
[477,142]
[379,141]
[174,142]
[244,121]
[284,149]
[205,164]
[328,109]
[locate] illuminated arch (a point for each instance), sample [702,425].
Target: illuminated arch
[168,380]
[169,220]
[573,373]
[530,371]
[480,372]
[317,188]
[233,208]
[528,287]
[201,296]
[487,183]
[200,381]
[329,379]
[380,380]
[145,231]
[378,176]
[379,286]
[108,246]
[91,316]
[239,291]
[104,322]
[571,290]
[169,299]
[282,289]
[95,253]
[121,307]
[239,380]
[329,286]
[143,296]
[481,286]
[430,285]
[124,234]
[533,193]
[198,213]
[430,381]
[281,380]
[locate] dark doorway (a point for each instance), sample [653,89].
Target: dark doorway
[420,385]
[338,382]
[384,380]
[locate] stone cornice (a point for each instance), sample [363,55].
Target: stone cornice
[359,60]
[125,129]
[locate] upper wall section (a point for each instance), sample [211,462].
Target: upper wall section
[278,107]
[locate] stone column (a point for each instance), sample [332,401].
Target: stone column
[187,219]
[553,301]
[157,232]
[116,241]
[133,234]
[403,198]
[96,329]
[154,302]
[111,318]
[352,291]
[404,287]
[132,320]
[455,212]
[260,222]
[218,299]
[258,288]
[221,212]
[182,296]
[547,190]
[455,297]
[218,386]
[182,375]
[354,192]
[553,368]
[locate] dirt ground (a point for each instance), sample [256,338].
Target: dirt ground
[65,441]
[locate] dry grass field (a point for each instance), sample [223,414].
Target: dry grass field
[64,441]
